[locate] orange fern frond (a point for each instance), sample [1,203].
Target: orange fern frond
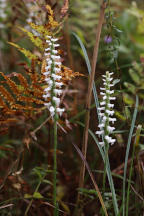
[68,74]
[11,84]
[7,95]
[3,105]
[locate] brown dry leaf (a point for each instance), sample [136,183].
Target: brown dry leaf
[65,8]
[27,141]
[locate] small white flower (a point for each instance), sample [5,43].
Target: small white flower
[103,103]
[56,100]
[54,40]
[101,108]
[112,120]
[108,138]
[47,104]
[102,88]
[102,93]
[111,73]
[52,110]
[46,73]
[48,67]
[58,91]
[55,51]
[58,63]
[106,106]
[56,77]
[46,95]
[47,49]
[101,114]
[101,125]
[100,132]
[60,110]
[109,112]
[110,105]
[47,54]
[112,98]
[49,62]
[110,92]
[55,57]
[57,69]
[56,45]
[59,84]
[110,129]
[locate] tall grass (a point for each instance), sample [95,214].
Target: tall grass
[127,155]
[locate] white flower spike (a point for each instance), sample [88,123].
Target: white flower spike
[53,78]
[106,112]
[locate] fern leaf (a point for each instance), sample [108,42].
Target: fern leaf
[52,23]
[40,29]
[3,105]
[35,39]
[30,100]
[27,53]
[7,95]
[22,81]
[11,84]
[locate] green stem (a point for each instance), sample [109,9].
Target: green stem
[127,154]
[104,175]
[131,167]
[55,165]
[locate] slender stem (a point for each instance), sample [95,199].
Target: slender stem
[55,165]
[131,166]
[89,96]
[105,165]
[127,154]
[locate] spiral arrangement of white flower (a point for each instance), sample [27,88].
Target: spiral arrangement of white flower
[53,77]
[106,112]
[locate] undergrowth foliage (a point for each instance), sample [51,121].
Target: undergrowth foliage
[43,113]
[26,95]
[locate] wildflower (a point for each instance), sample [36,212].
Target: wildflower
[53,77]
[107,39]
[106,112]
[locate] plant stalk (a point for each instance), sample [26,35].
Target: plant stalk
[55,166]
[89,95]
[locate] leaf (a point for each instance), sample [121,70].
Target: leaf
[135,77]
[130,87]
[65,207]
[40,29]
[27,196]
[37,195]
[52,23]
[116,81]
[35,39]
[120,116]
[6,95]
[128,99]
[65,8]
[27,53]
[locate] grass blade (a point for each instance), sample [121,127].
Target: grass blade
[136,143]
[89,68]
[92,178]
[127,153]
[108,170]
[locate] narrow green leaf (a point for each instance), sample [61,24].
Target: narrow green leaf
[127,153]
